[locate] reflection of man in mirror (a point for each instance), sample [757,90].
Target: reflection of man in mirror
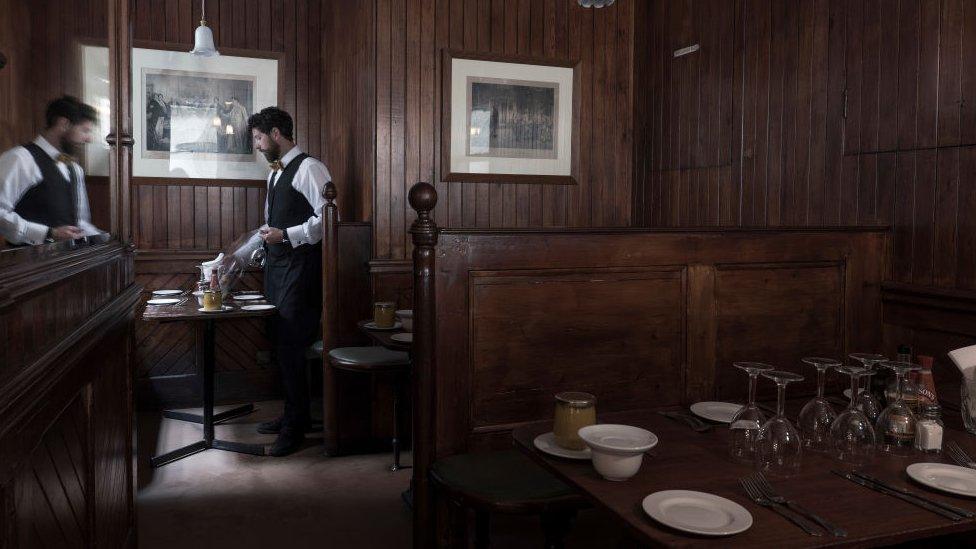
[293,268]
[42,187]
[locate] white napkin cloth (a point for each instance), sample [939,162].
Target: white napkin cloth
[965,361]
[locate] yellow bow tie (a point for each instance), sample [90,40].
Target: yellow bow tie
[66,158]
[276,166]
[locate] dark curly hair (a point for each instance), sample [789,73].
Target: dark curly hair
[71,108]
[270,118]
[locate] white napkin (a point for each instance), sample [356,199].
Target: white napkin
[965,361]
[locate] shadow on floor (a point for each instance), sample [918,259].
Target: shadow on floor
[218,499]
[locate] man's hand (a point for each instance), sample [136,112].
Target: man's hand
[272,235]
[66,232]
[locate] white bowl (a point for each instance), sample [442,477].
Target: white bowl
[199,295]
[405,316]
[618,450]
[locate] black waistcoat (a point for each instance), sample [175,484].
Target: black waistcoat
[287,207]
[51,202]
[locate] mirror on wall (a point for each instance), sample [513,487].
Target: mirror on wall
[56,97]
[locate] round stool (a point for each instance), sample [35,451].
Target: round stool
[506,482]
[373,360]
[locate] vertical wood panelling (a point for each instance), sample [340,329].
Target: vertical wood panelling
[843,113]
[409,34]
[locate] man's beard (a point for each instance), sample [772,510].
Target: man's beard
[67,147]
[273,153]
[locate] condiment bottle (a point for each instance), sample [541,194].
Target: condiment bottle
[926,383]
[211,297]
[929,430]
[574,410]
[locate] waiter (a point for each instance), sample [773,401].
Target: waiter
[42,188]
[293,267]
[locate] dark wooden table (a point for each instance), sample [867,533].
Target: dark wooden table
[188,312]
[383,337]
[686,460]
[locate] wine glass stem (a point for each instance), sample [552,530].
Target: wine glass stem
[820,382]
[752,388]
[854,386]
[898,378]
[780,399]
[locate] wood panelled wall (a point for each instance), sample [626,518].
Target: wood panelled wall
[66,321]
[814,113]
[409,36]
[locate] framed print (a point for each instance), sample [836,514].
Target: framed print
[190,114]
[508,119]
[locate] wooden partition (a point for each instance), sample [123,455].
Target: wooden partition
[640,318]
[66,463]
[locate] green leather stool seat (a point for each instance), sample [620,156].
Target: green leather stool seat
[314,351]
[368,358]
[505,482]
[500,479]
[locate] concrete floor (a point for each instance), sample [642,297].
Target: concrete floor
[218,499]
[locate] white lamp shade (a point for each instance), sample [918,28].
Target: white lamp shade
[203,42]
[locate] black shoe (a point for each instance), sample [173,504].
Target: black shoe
[272,427]
[288,441]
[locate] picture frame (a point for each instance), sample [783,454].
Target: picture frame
[509,119]
[176,129]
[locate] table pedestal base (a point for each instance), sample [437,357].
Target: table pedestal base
[208,419]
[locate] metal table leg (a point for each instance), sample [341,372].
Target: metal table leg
[208,419]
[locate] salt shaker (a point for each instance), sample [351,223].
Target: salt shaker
[929,430]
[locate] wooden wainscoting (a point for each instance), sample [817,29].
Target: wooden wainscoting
[639,318]
[65,400]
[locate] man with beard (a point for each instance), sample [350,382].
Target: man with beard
[42,188]
[293,267]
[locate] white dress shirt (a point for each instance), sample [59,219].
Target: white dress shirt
[18,173]
[310,180]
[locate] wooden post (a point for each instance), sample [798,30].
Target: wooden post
[330,318]
[423,198]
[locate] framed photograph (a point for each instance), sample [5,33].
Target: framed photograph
[190,114]
[508,119]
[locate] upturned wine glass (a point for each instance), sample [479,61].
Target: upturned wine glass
[897,424]
[779,447]
[852,433]
[817,415]
[865,399]
[746,422]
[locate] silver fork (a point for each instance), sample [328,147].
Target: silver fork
[755,494]
[767,490]
[957,454]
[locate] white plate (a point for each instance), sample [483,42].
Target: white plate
[546,442]
[263,307]
[945,477]
[167,292]
[163,301]
[406,337]
[373,326]
[697,512]
[721,412]
[248,297]
[223,309]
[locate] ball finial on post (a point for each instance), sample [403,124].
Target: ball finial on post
[329,193]
[423,197]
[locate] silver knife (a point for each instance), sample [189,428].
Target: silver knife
[946,506]
[915,501]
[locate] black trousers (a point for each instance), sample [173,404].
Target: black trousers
[293,283]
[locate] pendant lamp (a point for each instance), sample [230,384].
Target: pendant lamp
[203,42]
